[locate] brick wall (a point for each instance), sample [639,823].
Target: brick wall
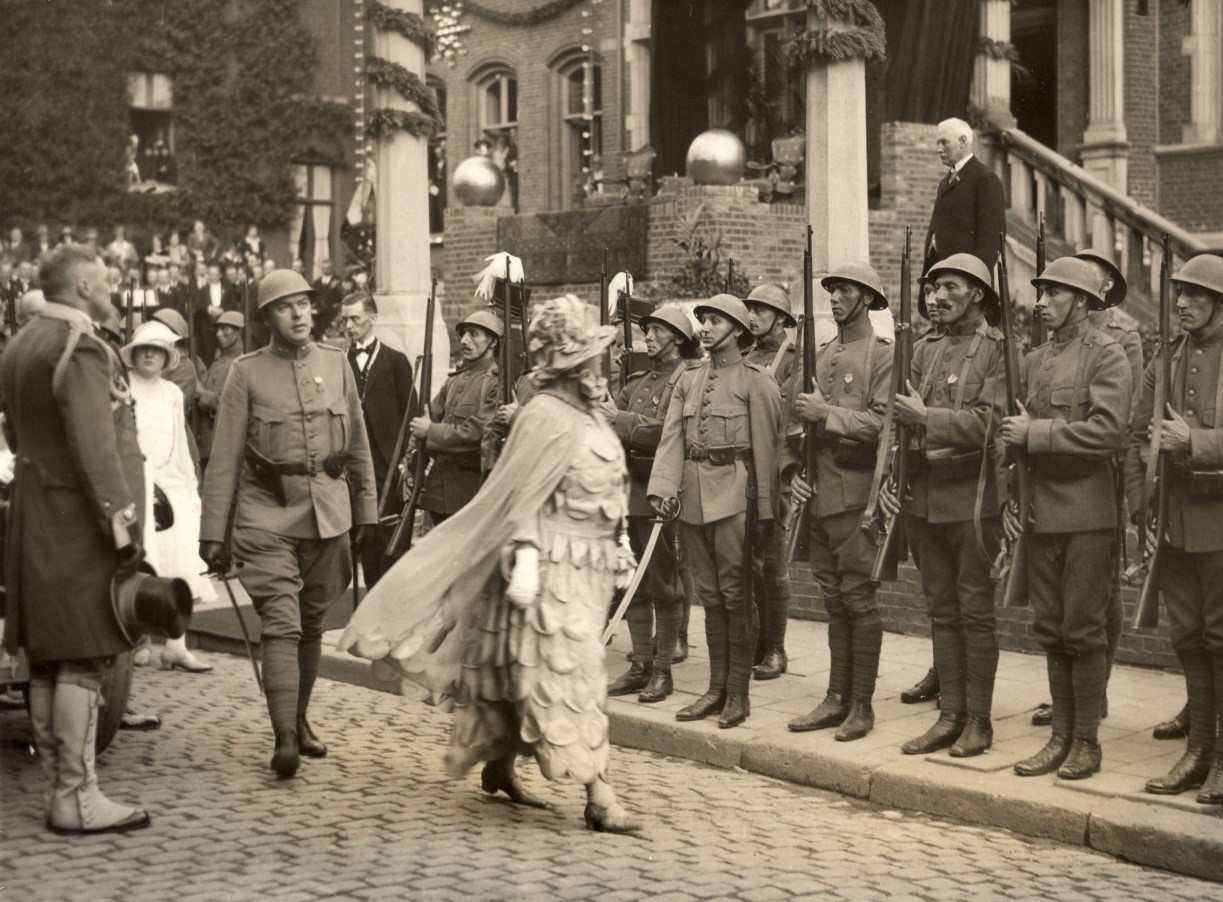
[1191,186]
[1142,100]
[1174,74]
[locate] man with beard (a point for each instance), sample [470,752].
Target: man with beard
[717,452]
[853,373]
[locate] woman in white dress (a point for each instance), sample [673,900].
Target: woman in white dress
[161,430]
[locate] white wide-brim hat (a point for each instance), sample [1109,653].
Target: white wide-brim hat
[152,334]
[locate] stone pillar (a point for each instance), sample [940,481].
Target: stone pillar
[1202,47]
[637,58]
[1105,149]
[991,78]
[402,205]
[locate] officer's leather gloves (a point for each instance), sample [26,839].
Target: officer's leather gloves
[213,554]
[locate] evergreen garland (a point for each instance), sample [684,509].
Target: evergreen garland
[408,85]
[541,13]
[405,24]
[384,123]
[864,39]
[998,50]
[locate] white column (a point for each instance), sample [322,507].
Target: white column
[1202,47]
[1105,149]
[402,204]
[991,78]
[637,58]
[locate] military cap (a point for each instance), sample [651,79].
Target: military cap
[1077,275]
[970,265]
[231,318]
[486,320]
[1204,271]
[280,284]
[773,296]
[862,274]
[726,305]
[1117,291]
[173,319]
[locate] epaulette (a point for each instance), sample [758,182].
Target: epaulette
[995,333]
[248,354]
[754,366]
[640,374]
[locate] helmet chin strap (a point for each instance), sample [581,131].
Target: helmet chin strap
[729,336]
[859,306]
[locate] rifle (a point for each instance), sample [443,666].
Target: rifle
[507,383]
[128,325]
[193,346]
[10,313]
[1156,488]
[626,321]
[604,314]
[1011,567]
[730,273]
[1039,333]
[246,314]
[807,451]
[884,529]
[407,517]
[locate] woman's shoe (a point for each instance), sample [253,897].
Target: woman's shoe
[495,778]
[612,819]
[183,660]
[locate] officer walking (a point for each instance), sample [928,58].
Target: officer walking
[1191,569]
[291,414]
[768,309]
[453,430]
[641,408]
[714,469]
[1077,387]
[954,405]
[853,373]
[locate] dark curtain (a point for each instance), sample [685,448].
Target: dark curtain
[931,45]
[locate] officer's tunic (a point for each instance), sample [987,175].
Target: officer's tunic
[464,405]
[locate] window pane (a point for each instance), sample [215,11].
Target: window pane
[511,106]
[492,102]
[573,90]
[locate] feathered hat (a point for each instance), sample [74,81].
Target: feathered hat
[491,282]
[562,336]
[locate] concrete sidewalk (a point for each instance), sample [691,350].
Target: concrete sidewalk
[1108,812]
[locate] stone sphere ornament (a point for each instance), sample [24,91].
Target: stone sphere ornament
[716,157]
[478,182]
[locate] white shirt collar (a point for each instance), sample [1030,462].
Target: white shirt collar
[963,160]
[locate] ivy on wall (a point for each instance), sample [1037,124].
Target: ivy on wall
[243,110]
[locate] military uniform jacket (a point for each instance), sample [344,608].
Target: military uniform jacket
[777,355]
[78,486]
[293,405]
[1195,520]
[1077,391]
[210,393]
[1130,341]
[641,407]
[723,404]
[465,404]
[854,373]
[958,372]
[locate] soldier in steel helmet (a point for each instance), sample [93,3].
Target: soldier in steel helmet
[653,615]
[953,403]
[228,331]
[1191,572]
[769,316]
[1072,424]
[714,469]
[454,427]
[291,455]
[853,373]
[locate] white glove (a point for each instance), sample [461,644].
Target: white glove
[524,581]
[626,563]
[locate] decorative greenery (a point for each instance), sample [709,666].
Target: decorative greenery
[384,123]
[999,50]
[864,39]
[541,13]
[408,85]
[703,272]
[403,23]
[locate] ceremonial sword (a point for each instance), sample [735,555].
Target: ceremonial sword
[638,575]
[246,636]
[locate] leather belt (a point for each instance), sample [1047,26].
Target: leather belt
[719,457]
[333,466]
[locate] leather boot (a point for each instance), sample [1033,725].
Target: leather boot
[1188,773]
[735,711]
[709,703]
[681,650]
[281,679]
[943,734]
[1083,760]
[658,688]
[307,743]
[1043,715]
[926,689]
[1176,728]
[1048,759]
[1212,789]
[79,806]
[636,678]
[285,760]
[978,736]
[859,722]
[773,665]
[41,701]
[831,712]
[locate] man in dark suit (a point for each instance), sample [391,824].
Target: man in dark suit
[970,207]
[328,294]
[384,383]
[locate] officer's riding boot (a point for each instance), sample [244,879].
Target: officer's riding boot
[79,806]
[981,667]
[771,661]
[1061,688]
[640,619]
[949,661]
[1176,728]
[1212,790]
[831,712]
[281,681]
[666,624]
[868,644]
[712,702]
[1191,770]
[744,628]
[41,699]
[308,653]
[1087,671]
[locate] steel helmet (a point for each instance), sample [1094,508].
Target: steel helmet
[672,317]
[862,274]
[773,296]
[170,317]
[486,320]
[231,318]
[282,283]
[1204,271]
[1118,290]
[1077,275]
[727,305]
[969,265]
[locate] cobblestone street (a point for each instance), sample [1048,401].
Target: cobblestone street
[375,819]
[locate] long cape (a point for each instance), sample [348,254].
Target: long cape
[409,619]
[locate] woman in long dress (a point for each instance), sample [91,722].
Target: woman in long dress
[500,609]
[161,431]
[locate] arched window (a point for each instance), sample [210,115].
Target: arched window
[579,102]
[496,105]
